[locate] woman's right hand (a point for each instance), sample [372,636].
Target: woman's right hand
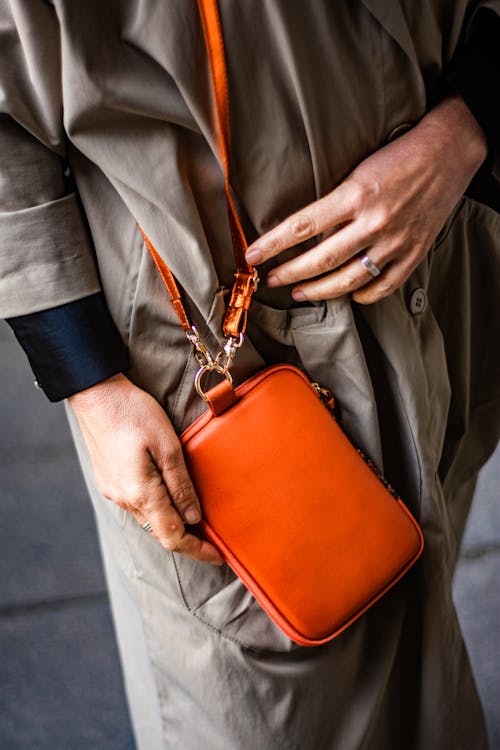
[138,462]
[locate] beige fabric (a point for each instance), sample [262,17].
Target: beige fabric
[121,93]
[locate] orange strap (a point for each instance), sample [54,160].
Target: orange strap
[170,283]
[245,277]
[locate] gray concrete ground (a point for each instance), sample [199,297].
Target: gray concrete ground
[60,683]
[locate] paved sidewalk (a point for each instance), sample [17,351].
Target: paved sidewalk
[59,672]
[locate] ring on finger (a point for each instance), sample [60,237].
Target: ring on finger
[147,527]
[370,265]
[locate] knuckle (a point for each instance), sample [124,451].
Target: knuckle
[371,188]
[356,195]
[122,504]
[380,220]
[275,241]
[407,237]
[143,497]
[115,494]
[346,283]
[274,245]
[173,457]
[172,545]
[170,536]
[132,506]
[137,502]
[302,226]
[107,491]
[285,276]
[176,543]
[358,192]
[135,492]
[326,262]
[181,491]
[364,191]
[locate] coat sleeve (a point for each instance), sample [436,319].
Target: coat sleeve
[45,253]
[49,285]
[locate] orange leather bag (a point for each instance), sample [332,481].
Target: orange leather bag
[307,523]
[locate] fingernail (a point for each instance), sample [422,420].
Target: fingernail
[191,514]
[298,295]
[272,280]
[254,256]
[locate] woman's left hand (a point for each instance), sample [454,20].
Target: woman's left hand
[391,207]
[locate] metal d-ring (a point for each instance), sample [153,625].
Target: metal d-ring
[210,367]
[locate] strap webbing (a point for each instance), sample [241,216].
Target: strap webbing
[245,277]
[170,284]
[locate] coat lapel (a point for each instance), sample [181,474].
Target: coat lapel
[389,14]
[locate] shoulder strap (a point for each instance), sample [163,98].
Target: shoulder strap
[246,276]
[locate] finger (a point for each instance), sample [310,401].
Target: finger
[392,278]
[328,255]
[179,503]
[335,208]
[199,549]
[169,461]
[187,544]
[347,279]
[156,506]
[139,517]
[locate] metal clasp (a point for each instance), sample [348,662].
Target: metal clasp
[220,363]
[214,367]
[201,353]
[256,280]
[227,352]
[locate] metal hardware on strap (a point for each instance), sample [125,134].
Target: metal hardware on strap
[201,353]
[208,363]
[235,319]
[227,353]
[214,367]
[224,357]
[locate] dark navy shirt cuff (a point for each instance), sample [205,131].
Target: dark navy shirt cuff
[71,347]
[475,74]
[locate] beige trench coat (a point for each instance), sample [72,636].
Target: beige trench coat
[120,93]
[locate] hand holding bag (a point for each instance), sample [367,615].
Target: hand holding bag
[302,517]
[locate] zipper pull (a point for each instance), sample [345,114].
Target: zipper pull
[325,395]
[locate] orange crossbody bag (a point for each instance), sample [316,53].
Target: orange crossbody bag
[302,517]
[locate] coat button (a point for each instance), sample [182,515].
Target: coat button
[399,130]
[418,301]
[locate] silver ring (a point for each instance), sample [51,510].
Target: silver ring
[370,266]
[147,527]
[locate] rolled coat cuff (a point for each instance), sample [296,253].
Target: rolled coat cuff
[45,257]
[71,347]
